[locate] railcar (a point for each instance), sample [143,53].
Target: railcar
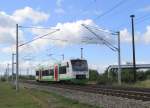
[66,70]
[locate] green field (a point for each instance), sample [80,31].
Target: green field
[34,99]
[145,84]
[139,84]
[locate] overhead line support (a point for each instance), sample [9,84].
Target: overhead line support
[133,47]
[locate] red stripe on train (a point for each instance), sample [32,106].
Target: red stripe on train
[56,73]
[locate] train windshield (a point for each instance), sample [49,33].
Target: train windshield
[79,65]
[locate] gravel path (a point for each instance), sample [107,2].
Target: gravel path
[93,99]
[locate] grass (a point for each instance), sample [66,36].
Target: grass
[79,82]
[145,84]
[139,84]
[10,99]
[58,101]
[32,98]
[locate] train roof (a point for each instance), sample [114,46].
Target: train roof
[72,59]
[41,67]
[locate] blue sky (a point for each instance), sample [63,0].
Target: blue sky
[48,13]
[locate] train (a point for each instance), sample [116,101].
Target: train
[73,69]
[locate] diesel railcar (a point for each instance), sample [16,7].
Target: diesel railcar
[66,70]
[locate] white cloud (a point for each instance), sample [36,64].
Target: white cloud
[146,36]
[143,38]
[72,32]
[6,28]
[6,20]
[28,13]
[127,37]
[99,67]
[7,49]
[6,36]
[8,25]
[32,65]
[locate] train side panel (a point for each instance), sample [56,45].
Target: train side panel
[72,69]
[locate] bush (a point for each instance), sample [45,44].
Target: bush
[103,80]
[93,75]
[141,76]
[148,77]
[147,73]
[127,75]
[3,79]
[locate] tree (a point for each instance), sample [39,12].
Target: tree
[93,75]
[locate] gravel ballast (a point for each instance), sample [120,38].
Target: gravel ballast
[92,98]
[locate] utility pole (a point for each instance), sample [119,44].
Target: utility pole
[6,75]
[17,61]
[13,66]
[0,72]
[28,73]
[119,60]
[112,47]
[133,47]
[81,53]
[17,51]
[8,72]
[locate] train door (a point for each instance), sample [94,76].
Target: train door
[56,72]
[40,74]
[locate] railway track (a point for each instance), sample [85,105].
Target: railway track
[125,92]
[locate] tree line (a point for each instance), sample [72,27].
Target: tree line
[127,76]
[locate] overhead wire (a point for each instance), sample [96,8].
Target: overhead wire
[111,9]
[103,40]
[144,16]
[138,20]
[106,12]
[101,29]
[33,27]
[143,19]
[39,37]
[56,39]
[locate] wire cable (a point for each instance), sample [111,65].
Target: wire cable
[142,17]
[38,38]
[111,9]
[101,39]
[137,20]
[141,20]
[33,27]
[56,39]
[101,29]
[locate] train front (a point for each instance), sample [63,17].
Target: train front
[80,69]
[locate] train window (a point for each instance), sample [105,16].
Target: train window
[45,73]
[62,70]
[37,73]
[51,72]
[79,65]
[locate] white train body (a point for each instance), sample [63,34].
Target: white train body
[66,70]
